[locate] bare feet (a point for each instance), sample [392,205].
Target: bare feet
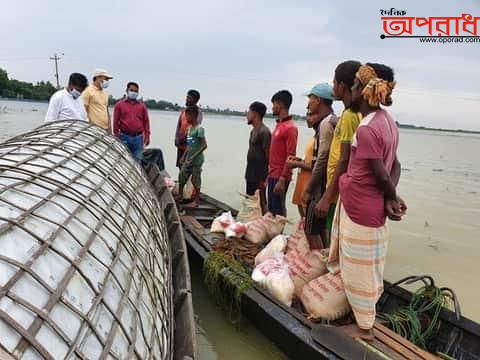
[355,332]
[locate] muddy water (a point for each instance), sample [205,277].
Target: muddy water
[440,235]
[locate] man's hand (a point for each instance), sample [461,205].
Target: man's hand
[146,142]
[279,188]
[292,163]
[395,209]
[306,197]
[322,207]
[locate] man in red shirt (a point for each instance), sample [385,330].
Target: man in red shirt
[282,147]
[131,123]
[193,96]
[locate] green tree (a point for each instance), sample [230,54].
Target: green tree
[3,82]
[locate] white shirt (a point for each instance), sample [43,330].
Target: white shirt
[63,106]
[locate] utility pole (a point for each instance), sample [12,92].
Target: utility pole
[56,58]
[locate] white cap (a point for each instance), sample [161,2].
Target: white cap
[102,72]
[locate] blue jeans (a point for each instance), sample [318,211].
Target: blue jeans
[134,144]
[276,203]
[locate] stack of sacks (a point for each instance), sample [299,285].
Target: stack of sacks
[226,224]
[266,228]
[250,208]
[304,264]
[273,275]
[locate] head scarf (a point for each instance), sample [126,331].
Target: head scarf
[376,91]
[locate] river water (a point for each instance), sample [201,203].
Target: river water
[439,236]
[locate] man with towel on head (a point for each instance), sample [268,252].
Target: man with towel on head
[367,196]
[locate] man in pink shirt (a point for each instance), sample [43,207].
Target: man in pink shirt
[367,196]
[131,123]
[283,146]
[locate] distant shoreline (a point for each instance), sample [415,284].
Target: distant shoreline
[297,117]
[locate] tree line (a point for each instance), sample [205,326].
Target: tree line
[11,88]
[15,89]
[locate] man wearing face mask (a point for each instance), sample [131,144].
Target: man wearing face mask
[66,104]
[96,99]
[131,123]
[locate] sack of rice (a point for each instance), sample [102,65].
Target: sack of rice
[187,190]
[273,275]
[235,229]
[281,286]
[221,222]
[305,267]
[324,298]
[276,245]
[250,208]
[265,228]
[304,264]
[298,241]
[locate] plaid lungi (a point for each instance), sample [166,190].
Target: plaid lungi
[359,252]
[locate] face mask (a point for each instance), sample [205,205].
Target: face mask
[132,95]
[105,84]
[75,93]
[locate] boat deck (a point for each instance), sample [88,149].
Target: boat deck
[287,327]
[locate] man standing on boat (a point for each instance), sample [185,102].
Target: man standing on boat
[283,146]
[258,150]
[66,104]
[193,96]
[131,123]
[323,120]
[342,138]
[367,197]
[193,158]
[96,99]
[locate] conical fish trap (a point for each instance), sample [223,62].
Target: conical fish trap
[84,260]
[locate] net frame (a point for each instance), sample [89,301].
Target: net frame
[91,179]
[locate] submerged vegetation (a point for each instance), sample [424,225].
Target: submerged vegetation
[226,279]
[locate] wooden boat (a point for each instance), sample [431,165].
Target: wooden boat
[185,345]
[300,338]
[93,260]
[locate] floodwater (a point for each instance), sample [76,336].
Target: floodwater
[440,235]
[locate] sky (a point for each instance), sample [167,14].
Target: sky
[237,52]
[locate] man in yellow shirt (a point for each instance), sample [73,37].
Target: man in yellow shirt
[96,100]
[342,138]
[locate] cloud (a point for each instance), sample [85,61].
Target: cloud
[237,52]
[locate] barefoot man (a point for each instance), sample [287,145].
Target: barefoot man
[367,197]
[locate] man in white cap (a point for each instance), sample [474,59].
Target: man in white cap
[96,99]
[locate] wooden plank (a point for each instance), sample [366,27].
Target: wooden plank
[407,344]
[396,346]
[192,223]
[197,230]
[334,339]
[385,349]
